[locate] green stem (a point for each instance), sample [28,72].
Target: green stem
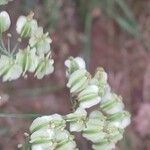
[2,44]
[19,116]
[4,51]
[8,44]
[3,48]
[16,46]
[34,91]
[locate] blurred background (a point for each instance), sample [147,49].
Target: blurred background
[114,34]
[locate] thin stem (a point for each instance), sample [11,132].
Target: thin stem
[19,116]
[4,51]
[35,91]
[2,44]
[8,42]
[2,47]
[16,46]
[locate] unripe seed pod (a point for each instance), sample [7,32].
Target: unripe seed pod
[78,81]
[47,136]
[9,70]
[74,64]
[40,41]
[114,134]
[27,59]
[44,67]
[26,26]
[100,79]
[104,144]
[120,119]
[77,120]
[93,130]
[89,97]
[46,122]
[112,104]
[4,21]
[42,136]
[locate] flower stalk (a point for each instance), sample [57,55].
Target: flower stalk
[18,62]
[104,126]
